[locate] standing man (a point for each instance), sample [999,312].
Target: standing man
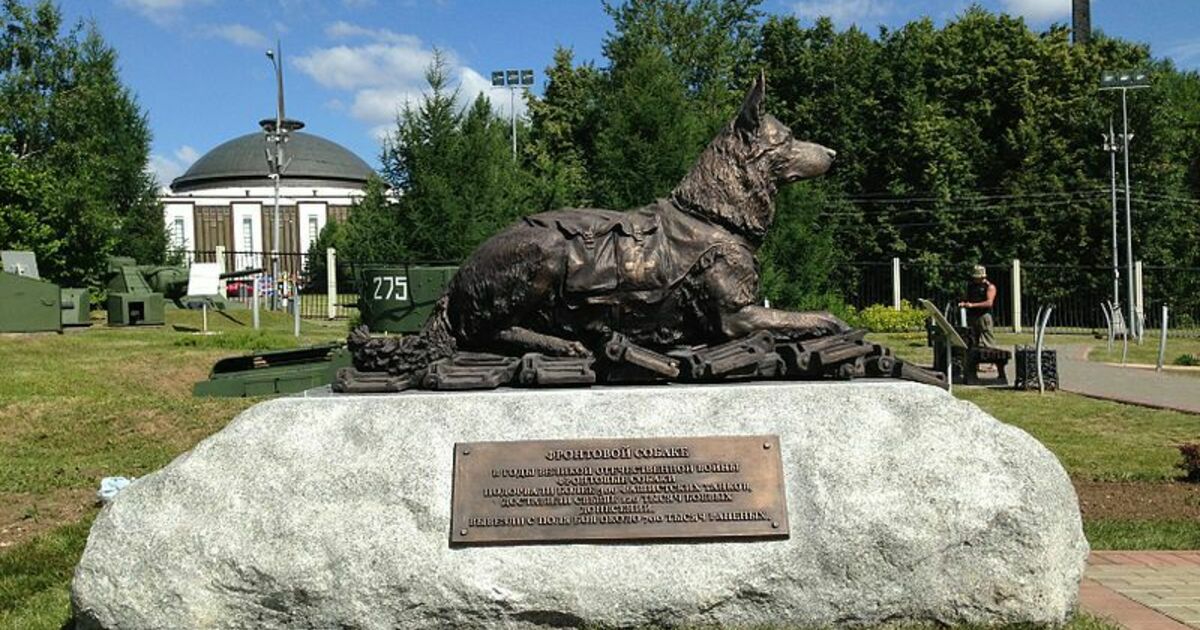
[981,294]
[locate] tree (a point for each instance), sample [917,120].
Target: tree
[562,134]
[76,146]
[452,171]
[649,134]
[711,43]
[371,232]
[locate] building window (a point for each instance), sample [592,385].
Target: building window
[247,234]
[312,230]
[178,235]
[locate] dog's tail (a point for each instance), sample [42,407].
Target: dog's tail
[410,355]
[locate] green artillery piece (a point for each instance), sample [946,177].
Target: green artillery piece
[137,294]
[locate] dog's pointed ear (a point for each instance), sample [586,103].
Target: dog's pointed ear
[754,107]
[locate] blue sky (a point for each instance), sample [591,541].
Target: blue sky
[198,66]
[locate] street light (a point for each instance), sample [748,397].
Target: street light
[1125,81]
[513,80]
[277,134]
[1112,148]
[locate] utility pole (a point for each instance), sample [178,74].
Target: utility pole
[1111,147]
[513,80]
[1125,81]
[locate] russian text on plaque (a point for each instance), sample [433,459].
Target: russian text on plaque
[618,489]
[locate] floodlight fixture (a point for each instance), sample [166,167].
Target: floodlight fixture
[513,80]
[1124,80]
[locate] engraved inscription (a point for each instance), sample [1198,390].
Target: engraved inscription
[645,488]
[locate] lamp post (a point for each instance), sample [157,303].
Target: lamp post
[276,134]
[1125,81]
[513,80]
[1112,148]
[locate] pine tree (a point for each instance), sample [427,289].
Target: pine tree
[649,133]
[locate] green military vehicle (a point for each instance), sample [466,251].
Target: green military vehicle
[392,299]
[31,304]
[399,298]
[139,294]
[131,301]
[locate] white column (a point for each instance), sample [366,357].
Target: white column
[1016,295]
[896,283]
[1140,304]
[331,281]
[220,254]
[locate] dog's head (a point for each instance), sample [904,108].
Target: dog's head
[735,179]
[772,147]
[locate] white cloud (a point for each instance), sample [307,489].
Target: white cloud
[381,70]
[1185,52]
[239,34]
[370,65]
[161,11]
[843,12]
[186,154]
[165,169]
[1039,10]
[346,30]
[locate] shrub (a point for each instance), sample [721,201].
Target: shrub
[1187,359]
[1191,461]
[885,319]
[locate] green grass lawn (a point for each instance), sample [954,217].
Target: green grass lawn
[98,402]
[1147,352]
[1095,439]
[83,405]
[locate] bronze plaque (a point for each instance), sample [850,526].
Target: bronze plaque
[618,489]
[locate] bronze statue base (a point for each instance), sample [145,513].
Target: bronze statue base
[760,356]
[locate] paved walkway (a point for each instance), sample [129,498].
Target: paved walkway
[1125,384]
[1144,590]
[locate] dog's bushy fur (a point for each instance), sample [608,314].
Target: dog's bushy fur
[715,219]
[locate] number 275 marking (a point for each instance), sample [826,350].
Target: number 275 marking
[396,288]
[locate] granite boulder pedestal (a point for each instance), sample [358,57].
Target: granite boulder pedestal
[904,503]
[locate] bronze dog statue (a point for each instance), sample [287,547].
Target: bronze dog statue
[678,273]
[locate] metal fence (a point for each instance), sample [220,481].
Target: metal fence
[1076,292]
[286,276]
[294,275]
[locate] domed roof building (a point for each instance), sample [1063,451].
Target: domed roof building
[226,199]
[315,161]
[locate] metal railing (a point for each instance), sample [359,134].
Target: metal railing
[1076,292]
